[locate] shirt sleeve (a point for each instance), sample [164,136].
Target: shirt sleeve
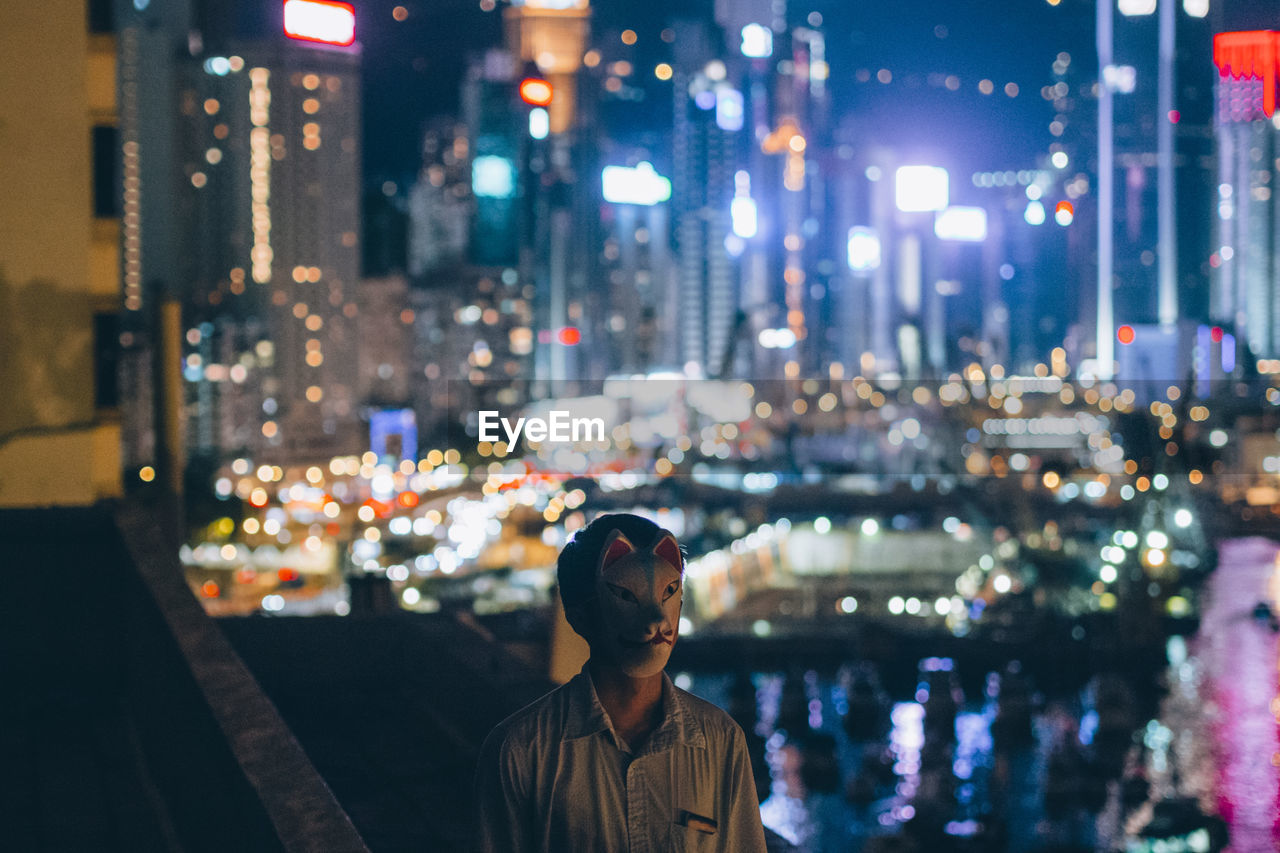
[501,795]
[746,832]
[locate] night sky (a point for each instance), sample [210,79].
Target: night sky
[412,71]
[413,68]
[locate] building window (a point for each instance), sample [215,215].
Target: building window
[106,360]
[106,171]
[101,16]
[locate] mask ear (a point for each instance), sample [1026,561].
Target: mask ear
[616,547]
[669,550]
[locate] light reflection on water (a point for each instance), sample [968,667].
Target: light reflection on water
[906,740]
[1007,770]
[883,781]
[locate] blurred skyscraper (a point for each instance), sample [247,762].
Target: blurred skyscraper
[638,310]
[384,327]
[545,40]
[155,42]
[1162,87]
[269,192]
[1246,264]
[467,308]
[786,193]
[440,203]
[552,34]
[701,192]
[497,153]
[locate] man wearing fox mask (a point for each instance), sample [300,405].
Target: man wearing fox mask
[619,758]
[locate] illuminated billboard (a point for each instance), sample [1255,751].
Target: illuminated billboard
[322,21]
[921,188]
[757,41]
[1251,55]
[639,185]
[964,224]
[493,177]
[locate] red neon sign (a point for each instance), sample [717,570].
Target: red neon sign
[323,21]
[1250,54]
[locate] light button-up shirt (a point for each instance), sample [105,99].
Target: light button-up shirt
[556,777]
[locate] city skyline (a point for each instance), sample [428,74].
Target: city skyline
[777,137]
[951,358]
[418,62]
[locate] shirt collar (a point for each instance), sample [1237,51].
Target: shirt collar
[587,716]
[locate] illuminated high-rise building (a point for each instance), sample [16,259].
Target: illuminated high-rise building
[270,182]
[496,146]
[635,300]
[756,263]
[440,202]
[1245,280]
[154,43]
[800,145]
[702,190]
[552,34]
[735,16]
[549,35]
[1153,145]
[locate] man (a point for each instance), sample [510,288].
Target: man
[619,758]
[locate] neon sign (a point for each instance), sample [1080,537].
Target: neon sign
[320,21]
[640,184]
[1250,54]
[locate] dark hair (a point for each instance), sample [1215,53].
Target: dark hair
[576,566]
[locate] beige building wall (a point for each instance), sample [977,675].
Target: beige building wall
[58,263]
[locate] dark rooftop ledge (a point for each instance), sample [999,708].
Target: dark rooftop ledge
[128,721]
[299,804]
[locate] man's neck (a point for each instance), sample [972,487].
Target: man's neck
[634,705]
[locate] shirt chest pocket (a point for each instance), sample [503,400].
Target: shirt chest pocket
[694,832]
[687,839]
